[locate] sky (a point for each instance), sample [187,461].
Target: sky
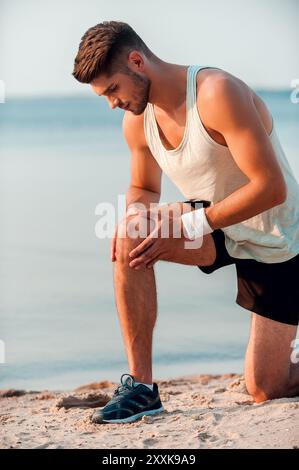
[256,40]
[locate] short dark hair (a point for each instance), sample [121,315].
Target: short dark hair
[104,49]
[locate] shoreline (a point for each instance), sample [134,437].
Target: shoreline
[201,411]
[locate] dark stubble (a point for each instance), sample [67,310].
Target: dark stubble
[142,85]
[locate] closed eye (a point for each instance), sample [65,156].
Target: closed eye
[112,89]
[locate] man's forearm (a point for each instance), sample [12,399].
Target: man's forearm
[248,201]
[141,196]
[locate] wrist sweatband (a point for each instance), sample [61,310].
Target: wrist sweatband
[196,223]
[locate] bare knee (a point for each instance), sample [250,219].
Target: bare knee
[267,361]
[128,237]
[262,388]
[261,394]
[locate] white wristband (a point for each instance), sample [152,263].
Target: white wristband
[196,224]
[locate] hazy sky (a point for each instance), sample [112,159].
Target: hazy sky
[257,40]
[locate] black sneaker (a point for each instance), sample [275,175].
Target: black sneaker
[129,403]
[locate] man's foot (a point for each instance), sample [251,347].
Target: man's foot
[129,403]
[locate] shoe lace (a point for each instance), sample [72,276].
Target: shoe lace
[125,384]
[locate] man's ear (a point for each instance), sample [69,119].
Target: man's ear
[136,60]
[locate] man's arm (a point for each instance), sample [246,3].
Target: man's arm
[146,175]
[227,107]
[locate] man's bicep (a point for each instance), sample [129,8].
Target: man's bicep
[233,114]
[253,152]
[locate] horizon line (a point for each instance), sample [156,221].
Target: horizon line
[15,96]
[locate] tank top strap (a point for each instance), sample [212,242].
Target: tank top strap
[151,127]
[191,85]
[191,88]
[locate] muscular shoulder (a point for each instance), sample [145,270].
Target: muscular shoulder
[219,94]
[133,130]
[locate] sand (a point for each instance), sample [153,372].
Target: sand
[201,411]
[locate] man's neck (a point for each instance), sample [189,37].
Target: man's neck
[168,86]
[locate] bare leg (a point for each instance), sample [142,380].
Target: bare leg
[269,370]
[136,299]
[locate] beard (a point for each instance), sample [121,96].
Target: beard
[142,86]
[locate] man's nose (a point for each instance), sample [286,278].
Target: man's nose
[113,103]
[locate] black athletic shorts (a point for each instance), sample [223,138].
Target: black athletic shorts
[268,289]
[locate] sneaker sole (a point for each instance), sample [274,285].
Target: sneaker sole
[130,419]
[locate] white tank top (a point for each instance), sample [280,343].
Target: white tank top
[203,169]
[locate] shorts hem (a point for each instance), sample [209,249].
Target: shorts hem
[259,311]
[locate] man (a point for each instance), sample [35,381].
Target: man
[216,140]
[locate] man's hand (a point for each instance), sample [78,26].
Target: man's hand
[162,240]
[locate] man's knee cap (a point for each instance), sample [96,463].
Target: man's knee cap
[127,239]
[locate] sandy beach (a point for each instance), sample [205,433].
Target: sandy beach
[201,411]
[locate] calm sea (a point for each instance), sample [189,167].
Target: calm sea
[60,157]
